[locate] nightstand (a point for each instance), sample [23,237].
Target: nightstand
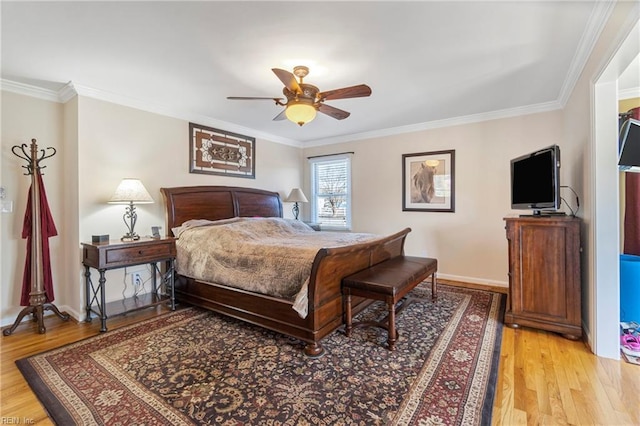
[121,254]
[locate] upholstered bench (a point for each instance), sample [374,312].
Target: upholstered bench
[389,281]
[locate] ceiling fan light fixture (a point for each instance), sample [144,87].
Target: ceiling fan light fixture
[305,100]
[300,112]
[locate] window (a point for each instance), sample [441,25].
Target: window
[331,191]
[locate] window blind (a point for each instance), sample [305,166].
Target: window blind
[331,191]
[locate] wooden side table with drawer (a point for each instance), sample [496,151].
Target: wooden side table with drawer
[117,254]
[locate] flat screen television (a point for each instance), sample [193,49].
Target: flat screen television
[535,181]
[629,146]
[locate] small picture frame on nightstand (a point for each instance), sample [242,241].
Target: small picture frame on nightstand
[155,231]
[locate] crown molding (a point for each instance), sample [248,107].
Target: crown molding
[29,90]
[449,122]
[67,93]
[176,113]
[629,93]
[596,23]
[70,90]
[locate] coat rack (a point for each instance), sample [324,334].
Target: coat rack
[38,297]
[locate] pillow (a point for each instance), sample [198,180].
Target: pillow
[194,223]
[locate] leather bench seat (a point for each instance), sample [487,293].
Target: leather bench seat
[389,281]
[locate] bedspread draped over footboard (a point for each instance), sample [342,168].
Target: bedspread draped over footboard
[270,256]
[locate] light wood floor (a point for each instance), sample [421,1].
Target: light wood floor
[543,378]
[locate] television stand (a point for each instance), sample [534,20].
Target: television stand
[544,274]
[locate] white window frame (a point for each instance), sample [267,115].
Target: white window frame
[315,209]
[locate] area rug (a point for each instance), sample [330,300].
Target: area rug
[196,367]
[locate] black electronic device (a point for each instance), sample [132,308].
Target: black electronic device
[629,146]
[535,181]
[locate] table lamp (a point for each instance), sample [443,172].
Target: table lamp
[131,191]
[296,196]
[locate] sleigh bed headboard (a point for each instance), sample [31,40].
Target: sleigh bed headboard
[217,202]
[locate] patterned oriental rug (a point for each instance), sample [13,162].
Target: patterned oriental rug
[196,367]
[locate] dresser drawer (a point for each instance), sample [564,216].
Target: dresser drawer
[138,254]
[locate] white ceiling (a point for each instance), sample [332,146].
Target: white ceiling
[428,63]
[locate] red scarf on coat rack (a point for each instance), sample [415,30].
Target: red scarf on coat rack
[632,207]
[48,229]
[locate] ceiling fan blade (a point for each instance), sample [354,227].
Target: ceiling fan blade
[280,116]
[288,79]
[358,91]
[244,98]
[336,113]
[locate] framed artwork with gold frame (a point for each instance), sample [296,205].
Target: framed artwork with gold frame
[218,152]
[428,181]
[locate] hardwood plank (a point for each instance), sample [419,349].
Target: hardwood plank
[519,417]
[503,405]
[519,370]
[531,406]
[542,394]
[550,378]
[580,387]
[596,390]
[561,373]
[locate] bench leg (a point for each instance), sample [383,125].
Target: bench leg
[391,331]
[434,289]
[348,319]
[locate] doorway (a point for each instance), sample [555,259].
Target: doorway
[605,244]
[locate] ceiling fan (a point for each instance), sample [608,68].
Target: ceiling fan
[303,100]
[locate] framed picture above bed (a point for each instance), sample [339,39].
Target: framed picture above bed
[218,152]
[428,181]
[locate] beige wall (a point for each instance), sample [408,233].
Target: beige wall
[70,220]
[117,142]
[470,244]
[625,105]
[103,143]
[25,118]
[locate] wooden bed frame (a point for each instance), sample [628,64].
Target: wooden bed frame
[325,310]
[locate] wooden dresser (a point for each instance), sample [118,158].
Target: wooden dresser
[544,274]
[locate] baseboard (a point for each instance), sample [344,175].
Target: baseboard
[473,280]
[463,284]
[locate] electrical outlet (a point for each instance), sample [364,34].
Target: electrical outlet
[136,279]
[6,206]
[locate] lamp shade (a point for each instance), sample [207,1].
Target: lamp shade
[131,191]
[296,196]
[300,112]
